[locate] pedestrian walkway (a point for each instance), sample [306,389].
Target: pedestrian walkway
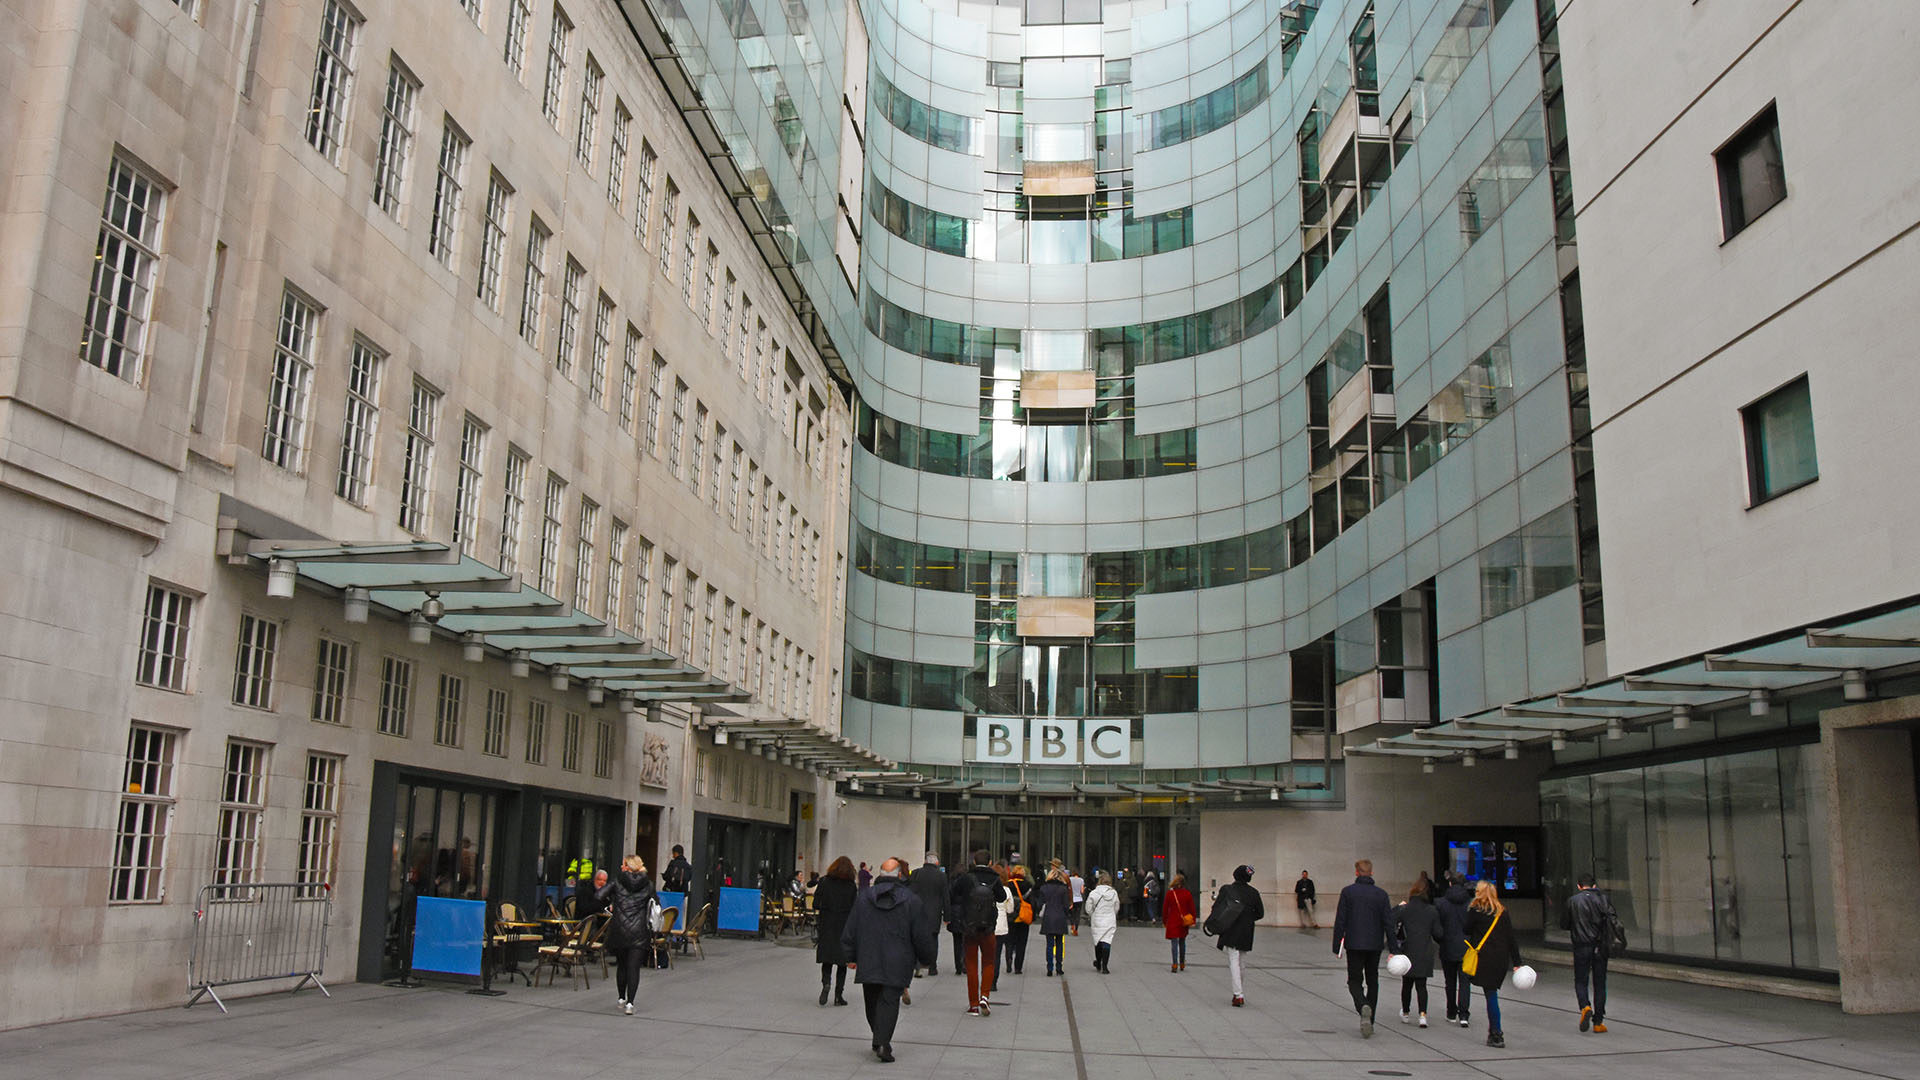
[749,1011]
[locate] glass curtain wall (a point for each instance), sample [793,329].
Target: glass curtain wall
[1714,858]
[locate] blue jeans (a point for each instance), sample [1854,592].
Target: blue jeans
[1590,962]
[1493,1011]
[1056,952]
[1179,949]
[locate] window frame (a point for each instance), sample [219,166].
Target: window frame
[240,827]
[1762,128]
[171,653]
[332,681]
[144,824]
[1753,438]
[126,260]
[256,650]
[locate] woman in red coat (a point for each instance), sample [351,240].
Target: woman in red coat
[1177,911]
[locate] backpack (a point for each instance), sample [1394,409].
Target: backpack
[1228,910]
[979,912]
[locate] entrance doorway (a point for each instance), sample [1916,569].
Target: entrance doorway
[1083,843]
[646,837]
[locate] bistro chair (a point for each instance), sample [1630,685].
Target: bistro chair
[574,951]
[662,946]
[690,935]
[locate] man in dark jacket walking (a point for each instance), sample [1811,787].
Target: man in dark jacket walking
[886,939]
[1362,926]
[1303,894]
[973,906]
[1588,919]
[679,872]
[929,883]
[1452,907]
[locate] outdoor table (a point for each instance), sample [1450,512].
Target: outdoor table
[512,948]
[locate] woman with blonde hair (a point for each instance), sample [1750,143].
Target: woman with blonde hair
[1490,934]
[629,901]
[1103,918]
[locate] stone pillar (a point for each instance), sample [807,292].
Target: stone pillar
[1874,843]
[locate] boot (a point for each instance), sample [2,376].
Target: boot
[823,993]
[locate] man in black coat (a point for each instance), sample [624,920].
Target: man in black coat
[1236,908]
[1588,919]
[1452,907]
[886,939]
[679,872]
[1303,894]
[929,883]
[1363,926]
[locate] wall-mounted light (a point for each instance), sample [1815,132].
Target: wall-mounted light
[1682,717]
[519,663]
[1559,740]
[1853,685]
[1273,794]
[1511,751]
[1616,730]
[596,691]
[1469,759]
[853,784]
[719,736]
[473,647]
[557,678]
[625,704]
[419,630]
[354,603]
[432,608]
[280,576]
[1426,767]
[1759,702]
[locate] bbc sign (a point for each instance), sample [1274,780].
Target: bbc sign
[1002,740]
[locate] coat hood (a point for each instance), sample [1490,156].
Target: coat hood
[889,893]
[1363,879]
[629,880]
[1459,894]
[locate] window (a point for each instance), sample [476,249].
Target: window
[570,742]
[448,710]
[629,379]
[733,488]
[519,15]
[688,598]
[333,79]
[642,583]
[416,470]
[589,132]
[706,283]
[617,154]
[396,139]
[719,465]
[333,669]
[513,510]
[602,749]
[473,9]
[550,534]
[361,424]
[559,40]
[726,316]
[165,635]
[643,191]
[1752,175]
[1780,451]
[1539,559]
[243,802]
[253,662]
[533,288]
[493,239]
[654,392]
[669,210]
[569,317]
[125,261]
[146,817]
[679,429]
[466,486]
[583,556]
[663,615]
[536,732]
[698,458]
[291,385]
[319,826]
[689,259]
[396,696]
[493,735]
[447,188]
[708,625]
[615,610]
[597,359]
[746,347]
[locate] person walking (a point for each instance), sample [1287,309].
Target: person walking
[628,900]
[1452,909]
[679,872]
[1303,901]
[1490,934]
[929,883]
[1178,915]
[1103,918]
[1237,908]
[1078,885]
[973,908]
[1361,924]
[887,938]
[1156,895]
[832,903]
[1589,919]
[1416,930]
[866,877]
[1053,910]
[1019,921]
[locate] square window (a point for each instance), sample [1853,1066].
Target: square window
[1780,451]
[1752,176]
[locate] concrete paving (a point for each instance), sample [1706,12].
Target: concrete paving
[749,1010]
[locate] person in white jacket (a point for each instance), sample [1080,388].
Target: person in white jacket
[1001,918]
[1103,918]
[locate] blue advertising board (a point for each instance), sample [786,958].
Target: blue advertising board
[740,910]
[449,935]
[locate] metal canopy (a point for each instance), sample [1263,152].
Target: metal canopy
[807,746]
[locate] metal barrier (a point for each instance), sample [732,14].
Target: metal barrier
[250,933]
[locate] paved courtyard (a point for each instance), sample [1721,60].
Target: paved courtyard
[748,1010]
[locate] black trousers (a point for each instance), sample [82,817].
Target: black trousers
[1410,986]
[959,941]
[1013,947]
[1459,989]
[836,974]
[627,973]
[1363,977]
[1590,963]
[883,1011]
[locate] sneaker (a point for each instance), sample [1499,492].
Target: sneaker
[1463,1021]
[885,1053]
[1404,1018]
[1238,1001]
[1451,1018]
[975,1011]
[906,997]
[629,1008]
[1423,1019]
[1497,1040]
[1366,1021]
[985,1007]
[1599,1028]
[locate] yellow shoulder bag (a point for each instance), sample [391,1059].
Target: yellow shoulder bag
[1470,963]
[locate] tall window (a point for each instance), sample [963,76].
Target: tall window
[361,424]
[726,316]
[493,239]
[678,430]
[493,734]
[559,41]
[243,802]
[1780,450]
[519,15]
[416,470]
[629,378]
[589,132]
[723,663]
[396,139]
[569,317]
[689,598]
[290,387]
[615,610]
[449,710]
[706,283]
[550,524]
[698,459]
[583,557]
[617,154]
[689,259]
[642,583]
[253,662]
[333,79]
[533,287]
[320,822]
[536,732]
[165,635]
[447,189]
[703,644]
[513,510]
[733,488]
[643,190]
[146,817]
[570,742]
[396,696]
[656,379]
[602,341]
[1753,178]
[466,486]
[602,749]
[746,343]
[125,260]
[663,615]
[333,668]
[718,468]
[669,210]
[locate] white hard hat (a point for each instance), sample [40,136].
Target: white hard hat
[1524,977]
[1399,964]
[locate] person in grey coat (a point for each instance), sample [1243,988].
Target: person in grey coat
[1416,927]
[929,883]
[887,938]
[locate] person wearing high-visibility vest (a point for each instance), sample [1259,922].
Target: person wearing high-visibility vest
[580,880]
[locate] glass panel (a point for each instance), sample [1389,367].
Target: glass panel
[1620,843]
[1054,350]
[1059,242]
[1679,863]
[1809,873]
[1749,885]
